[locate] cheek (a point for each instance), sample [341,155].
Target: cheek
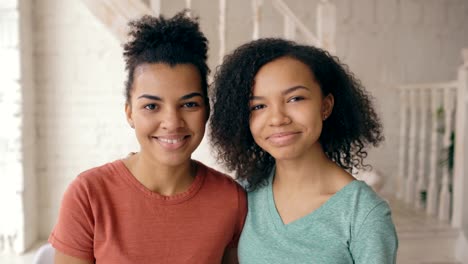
[316,125]
[255,127]
[144,122]
[197,121]
[308,114]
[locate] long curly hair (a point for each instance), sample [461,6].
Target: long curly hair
[177,40]
[351,127]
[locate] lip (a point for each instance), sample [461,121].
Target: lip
[282,138]
[172,142]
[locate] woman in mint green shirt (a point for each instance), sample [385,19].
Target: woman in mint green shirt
[291,121]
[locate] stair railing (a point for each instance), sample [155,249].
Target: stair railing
[426,177]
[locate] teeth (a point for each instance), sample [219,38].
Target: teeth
[171,141]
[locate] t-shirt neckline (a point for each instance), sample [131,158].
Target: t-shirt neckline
[278,221]
[172,199]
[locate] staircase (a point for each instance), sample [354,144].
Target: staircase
[422,239]
[429,204]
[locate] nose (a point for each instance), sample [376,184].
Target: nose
[278,116]
[172,120]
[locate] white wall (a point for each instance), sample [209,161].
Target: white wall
[28,128]
[79,73]
[17,149]
[80,103]
[11,173]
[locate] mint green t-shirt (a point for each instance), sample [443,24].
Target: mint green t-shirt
[353,226]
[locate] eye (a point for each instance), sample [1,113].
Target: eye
[190,104]
[257,107]
[295,99]
[151,106]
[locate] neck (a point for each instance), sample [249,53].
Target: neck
[312,172]
[315,174]
[306,168]
[161,178]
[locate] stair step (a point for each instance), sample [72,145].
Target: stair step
[423,239]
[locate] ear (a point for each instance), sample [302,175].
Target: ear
[327,106]
[128,113]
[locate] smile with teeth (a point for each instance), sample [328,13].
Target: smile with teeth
[171,141]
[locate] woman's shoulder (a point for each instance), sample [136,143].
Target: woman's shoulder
[93,179]
[217,177]
[101,171]
[358,197]
[364,204]
[365,193]
[225,188]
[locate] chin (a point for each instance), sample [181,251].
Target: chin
[283,155]
[174,162]
[170,159]
[285,158]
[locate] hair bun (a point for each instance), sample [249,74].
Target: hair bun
[178,32]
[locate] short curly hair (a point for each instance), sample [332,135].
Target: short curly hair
[352,125]
[177,40]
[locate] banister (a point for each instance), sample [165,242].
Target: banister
[429,86]
[285,11]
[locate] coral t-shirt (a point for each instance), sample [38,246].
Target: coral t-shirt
[108,216]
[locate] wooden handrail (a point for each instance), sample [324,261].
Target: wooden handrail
[287,13]
[116,14]
[429,86]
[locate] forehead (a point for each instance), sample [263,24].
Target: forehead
[283,72]
[162,78]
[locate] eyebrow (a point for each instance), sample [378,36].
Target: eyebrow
[157,98]
[151,97]
[285,92]
[191,95]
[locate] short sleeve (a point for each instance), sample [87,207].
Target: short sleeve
[242,213]
[73,234]
[376,240]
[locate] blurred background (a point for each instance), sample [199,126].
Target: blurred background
[62,105]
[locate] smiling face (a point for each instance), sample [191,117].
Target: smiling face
[168,111]
[287,110]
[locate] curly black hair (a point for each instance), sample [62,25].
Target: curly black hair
[177,40]
[352,125]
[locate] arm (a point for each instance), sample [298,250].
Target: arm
[230,253]
[61,258]
[230,256]
[376,240]
[73,234]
